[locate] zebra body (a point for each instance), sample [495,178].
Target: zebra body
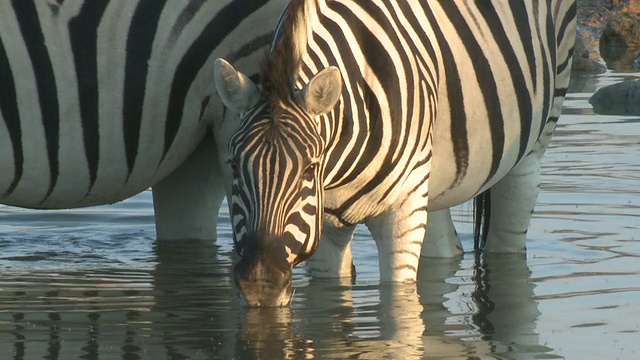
[101,99]
[374,112]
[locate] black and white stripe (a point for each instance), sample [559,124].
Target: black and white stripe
[100,99]
[440,101]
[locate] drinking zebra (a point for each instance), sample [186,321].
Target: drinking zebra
[101,99]
[375,111]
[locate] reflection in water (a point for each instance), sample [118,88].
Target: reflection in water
[186,308]
[499,306]
[270,334]
[193,308]
[507,313]
[620,58]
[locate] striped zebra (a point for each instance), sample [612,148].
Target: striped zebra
[101,99]
[375,111]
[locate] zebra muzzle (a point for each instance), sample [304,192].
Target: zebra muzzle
[261,283]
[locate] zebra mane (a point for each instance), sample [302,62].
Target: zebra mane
[284,61]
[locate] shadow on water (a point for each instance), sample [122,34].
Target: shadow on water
[186,308]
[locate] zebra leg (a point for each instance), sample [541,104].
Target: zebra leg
[442,240]
[186,202]
[399,233]
[513,200]
[332,259]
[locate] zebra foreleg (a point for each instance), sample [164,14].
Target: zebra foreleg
[186,202]
[399,233]
[442,240]
[332,258]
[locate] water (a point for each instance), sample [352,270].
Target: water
[93,284]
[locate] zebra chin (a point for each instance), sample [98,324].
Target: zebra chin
[262,284]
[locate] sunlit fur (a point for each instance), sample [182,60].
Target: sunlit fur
[440,101]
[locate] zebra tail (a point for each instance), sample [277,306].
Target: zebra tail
[481,219]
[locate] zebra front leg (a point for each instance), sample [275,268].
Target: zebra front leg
[332,259]
[399,233]
[186,202]
[442,240]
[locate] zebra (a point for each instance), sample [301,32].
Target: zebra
[380,112]
[101,99]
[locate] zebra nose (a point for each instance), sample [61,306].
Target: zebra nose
[262,284]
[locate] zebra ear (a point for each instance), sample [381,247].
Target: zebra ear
[236,90]
[320,95]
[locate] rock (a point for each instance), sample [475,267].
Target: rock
[587,66]
[620,40]
[580,48]
[631,6]
[622,30]
[621,59]
[592,14]
[581,61]
[617,99]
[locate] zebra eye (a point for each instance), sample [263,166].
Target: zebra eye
[234,167]
[310,172]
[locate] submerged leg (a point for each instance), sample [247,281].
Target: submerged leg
[399,233]
[186,202]
[442,240]
[512,201]
[332,258]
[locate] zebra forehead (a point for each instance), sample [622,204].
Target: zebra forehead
[280,127]
[279,142]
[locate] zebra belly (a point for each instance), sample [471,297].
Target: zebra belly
[451,185]
[494,94]
[72,187]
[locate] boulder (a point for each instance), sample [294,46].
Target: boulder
[587,66]
[581,61]
[621,59]
[620,39]
[632,6]
[622,30]
[617,99]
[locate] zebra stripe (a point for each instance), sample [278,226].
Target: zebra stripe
[11,115]
[31,31]
[438,102]
[83,38]
[102,98]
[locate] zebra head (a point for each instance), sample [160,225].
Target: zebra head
[277,190]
